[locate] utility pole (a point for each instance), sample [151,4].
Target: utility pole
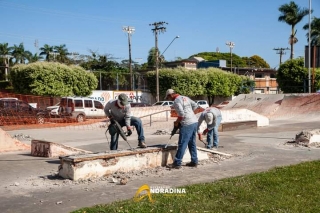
[231,46]
[129,30]
[158,27]
[281,51]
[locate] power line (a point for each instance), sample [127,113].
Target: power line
[281,51]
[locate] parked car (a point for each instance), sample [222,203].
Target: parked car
[8,98]
[137,104]
[163,103]
[202,103]
[89,108]
[16,111]
[56,106]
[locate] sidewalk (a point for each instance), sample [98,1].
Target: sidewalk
[28,184]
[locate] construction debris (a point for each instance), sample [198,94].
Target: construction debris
[162,132]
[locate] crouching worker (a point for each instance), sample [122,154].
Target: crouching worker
[212,117]
[120,110]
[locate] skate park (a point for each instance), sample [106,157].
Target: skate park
[31,184]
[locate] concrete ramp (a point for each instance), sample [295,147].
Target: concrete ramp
[262,104]
[7,143]
[278,106]
[236,115]
[295,105]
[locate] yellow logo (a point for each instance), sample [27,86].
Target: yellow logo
[137,197]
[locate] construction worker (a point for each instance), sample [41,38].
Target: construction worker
[120,110]
[188,121]
[212,116]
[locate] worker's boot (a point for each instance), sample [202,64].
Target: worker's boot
[142,144]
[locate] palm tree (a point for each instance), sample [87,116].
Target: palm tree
[20,55]
[46,50]
[35,58]
[61,52]
[152,57]
[315,31]
[292,14]
[5,50]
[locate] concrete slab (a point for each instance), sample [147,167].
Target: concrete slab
[41,148]
[308,137]
[96,165]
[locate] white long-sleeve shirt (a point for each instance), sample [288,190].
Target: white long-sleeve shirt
[117,113]
[216,113]
[185,107]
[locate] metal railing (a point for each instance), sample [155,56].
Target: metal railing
[150,115]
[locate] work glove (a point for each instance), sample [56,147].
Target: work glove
[200,137]
[129,131]
[205,131]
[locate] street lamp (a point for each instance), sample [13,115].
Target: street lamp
[157,63]
[130,31]
[231,45]
[169,45]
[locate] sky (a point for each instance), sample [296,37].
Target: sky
[202,26]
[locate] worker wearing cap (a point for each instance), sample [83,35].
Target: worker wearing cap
[120,110]
[184,107]
[212,116]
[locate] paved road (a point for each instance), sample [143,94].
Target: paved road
[29,184]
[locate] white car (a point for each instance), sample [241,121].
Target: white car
[91,107]
[202,103]
[163,103]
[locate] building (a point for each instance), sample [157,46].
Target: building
[264,78]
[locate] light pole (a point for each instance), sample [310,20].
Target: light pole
[231,45]
[129,30]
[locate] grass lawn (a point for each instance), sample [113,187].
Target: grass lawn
[284,189]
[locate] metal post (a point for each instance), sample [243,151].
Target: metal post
[157,65]
[231,45]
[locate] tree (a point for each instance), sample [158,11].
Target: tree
[292,76]
[257,61]
[5,50]
[20,55]
[46,50]
[315,31]
[52,79]
[292,14]
[211,82]
[62,53]
[152,57]
[34,58]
